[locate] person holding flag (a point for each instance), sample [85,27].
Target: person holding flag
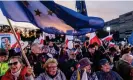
[17,70]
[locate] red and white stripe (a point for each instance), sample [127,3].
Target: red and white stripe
[93,38]
[108,38]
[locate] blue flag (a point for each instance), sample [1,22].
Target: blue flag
[81,7]
[47,15]
[130,39]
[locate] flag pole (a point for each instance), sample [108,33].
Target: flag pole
[23,54]
[18,42]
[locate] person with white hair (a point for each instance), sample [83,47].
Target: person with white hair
[36,58]
[124,67]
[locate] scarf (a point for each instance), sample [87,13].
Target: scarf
[16,75]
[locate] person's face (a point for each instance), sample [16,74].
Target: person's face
[64,50]
[45,49]
[92,50]
[36,49]
[14,65]
[51,44]
[52,68]
[88,68]
[5,42]
[106,67]
[2,58]
[96,47]
[72,55]
[130,60]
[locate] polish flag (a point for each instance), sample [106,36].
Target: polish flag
[41,39]
[94,38]
[14,42]
[111,44]
[108,38]
[66,43]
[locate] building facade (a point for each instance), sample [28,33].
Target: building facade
[123,24]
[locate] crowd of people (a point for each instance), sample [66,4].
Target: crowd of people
[30,35]
[51,61]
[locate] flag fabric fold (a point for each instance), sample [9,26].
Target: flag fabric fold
[49,16]
[108,38]
[93,38]
[81,7]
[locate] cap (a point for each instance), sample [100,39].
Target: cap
[103,62]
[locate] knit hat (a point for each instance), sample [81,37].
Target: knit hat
[84,62]
[3,52]
[103,62]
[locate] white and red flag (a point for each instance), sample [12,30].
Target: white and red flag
[108,38]
[41,39]
[66,43]
[14,42]
[93,38]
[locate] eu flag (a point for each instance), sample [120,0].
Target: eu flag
[47,15]
[81,7]
[130,39]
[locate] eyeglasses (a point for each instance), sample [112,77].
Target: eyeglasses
[15,63]
[52,67]
[73,54]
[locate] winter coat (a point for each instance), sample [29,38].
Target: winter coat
[44,76]
[69,67]
[108,75]
[91,76]
[3,68]
[22,76]
[36,62]
[124,69]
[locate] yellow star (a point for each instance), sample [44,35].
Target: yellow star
[37,12]
[50,12]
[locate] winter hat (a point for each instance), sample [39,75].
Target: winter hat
[84,62]
[103,62]
[3,52]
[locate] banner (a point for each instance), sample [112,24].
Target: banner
[7,38]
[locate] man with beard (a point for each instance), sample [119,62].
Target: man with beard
[70,64]
[36,58]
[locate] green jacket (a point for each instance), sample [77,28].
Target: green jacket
[3,68]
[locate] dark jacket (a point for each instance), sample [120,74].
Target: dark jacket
[69,67]
[124,69]
[108,75]
[36,62]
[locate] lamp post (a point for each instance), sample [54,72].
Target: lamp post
[108,29]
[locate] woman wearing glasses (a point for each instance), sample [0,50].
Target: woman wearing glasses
[52,72]
[17,71]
